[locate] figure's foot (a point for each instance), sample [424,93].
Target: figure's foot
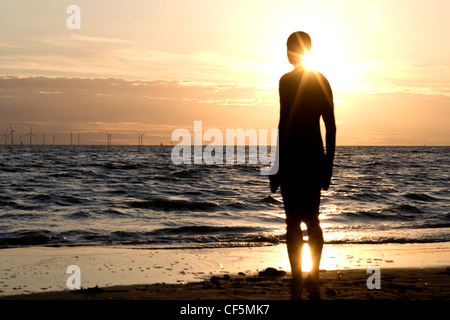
[296,289]
[313,286]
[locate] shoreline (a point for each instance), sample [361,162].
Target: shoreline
[397,284]
[41,272]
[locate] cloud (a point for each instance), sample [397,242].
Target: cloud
[72,55]
[76,40]
[403,76]
[4,45]
[64,104]
[94,106]
[393,118]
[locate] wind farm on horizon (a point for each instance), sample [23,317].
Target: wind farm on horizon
[11,136]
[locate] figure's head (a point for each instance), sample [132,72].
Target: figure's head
[298,44]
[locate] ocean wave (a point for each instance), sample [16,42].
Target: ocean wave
[272,201]
[62,175]
[18,216]
[102,195]
[65,200]
[23,206]
[370,215]
[205,229]
[82,214]
[367,196]
[30,239]
[420,197]
[198,237]
[388,241]
[187,173]
[436,225]
[120,166]
[170,205]
[113,213]
[403,209]
[40,197]
[6,201]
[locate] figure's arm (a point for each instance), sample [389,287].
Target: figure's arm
[282,121]
[330,136]
[330,125]
[274,179]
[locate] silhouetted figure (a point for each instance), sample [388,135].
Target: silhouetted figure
[304,167]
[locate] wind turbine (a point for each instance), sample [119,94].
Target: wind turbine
[43,139]
[6,134]
[141,135]
[11,133]
[71,136]
[109,136]
[31,134]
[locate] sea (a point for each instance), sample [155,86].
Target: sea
[136,196]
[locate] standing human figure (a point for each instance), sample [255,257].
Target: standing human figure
[304,166]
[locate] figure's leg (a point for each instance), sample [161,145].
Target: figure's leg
[294,242]
[315,243]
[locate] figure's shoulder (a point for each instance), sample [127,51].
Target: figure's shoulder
[311,73]
[318,77]
[290,76]
[321,76]
[305,75]
[285,76]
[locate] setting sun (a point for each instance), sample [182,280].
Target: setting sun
[329,56]
[340,74]
[331,53]
[311,62]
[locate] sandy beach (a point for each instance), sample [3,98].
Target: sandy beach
[407,271]
[398,284]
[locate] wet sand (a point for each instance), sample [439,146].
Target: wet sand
[396,284]
[411,272]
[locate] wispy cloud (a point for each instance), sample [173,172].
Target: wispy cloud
[118,100]
[4,44]
[91,56]
[403,76]
[74,40]
[94,106]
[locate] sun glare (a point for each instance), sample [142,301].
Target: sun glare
[311,62]
[329,55]
[340,74]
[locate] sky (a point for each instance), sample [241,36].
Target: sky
[129,66]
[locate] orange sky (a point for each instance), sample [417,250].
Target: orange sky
[156,66]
